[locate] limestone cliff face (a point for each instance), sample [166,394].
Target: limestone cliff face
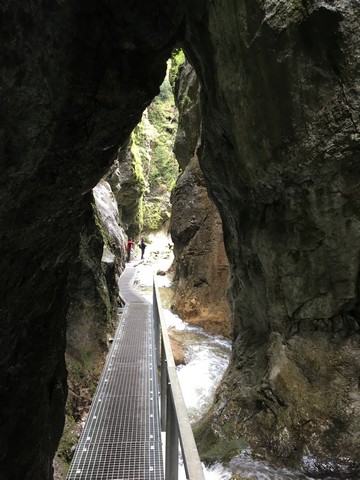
[280,154]
[110,225]
[280,150]
[201,265]
[202,270]
[76,77]
[128,188]
[93,287]
[92,299]
[93,303]
[93,283]
[187,100]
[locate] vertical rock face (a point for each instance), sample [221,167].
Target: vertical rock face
[93,283]
[92,306]
[280,154]
[202,269]
[280,150]
[186,93]
[201,265]
[92,315]
[109,218]
[128,188]
[75,78]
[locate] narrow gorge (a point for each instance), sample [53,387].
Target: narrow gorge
[267,204]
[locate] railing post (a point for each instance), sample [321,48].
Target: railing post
[174,417]
[163,388]
[156,320]
[172,440]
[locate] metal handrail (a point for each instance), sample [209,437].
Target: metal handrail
[174,417]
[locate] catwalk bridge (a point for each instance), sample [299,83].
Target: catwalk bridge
[122,438]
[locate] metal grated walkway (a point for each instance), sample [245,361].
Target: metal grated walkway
[121,439]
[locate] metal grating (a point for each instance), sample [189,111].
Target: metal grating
[121,438]
[128,292]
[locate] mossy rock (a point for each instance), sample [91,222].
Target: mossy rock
[66,445]
[216,447]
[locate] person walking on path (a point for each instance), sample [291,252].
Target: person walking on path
[129,247]
[142,246]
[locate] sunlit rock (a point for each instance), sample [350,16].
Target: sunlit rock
[201,271]
[201,265]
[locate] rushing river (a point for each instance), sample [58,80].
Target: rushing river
[207,358]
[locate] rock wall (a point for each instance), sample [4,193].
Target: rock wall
[187,99]
[93,283]
[201,265]
[280,148]
[76,77]
[128,188]
[93,306]
[280,151]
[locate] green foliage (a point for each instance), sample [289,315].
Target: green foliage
[68,440]
[152,216]
[162,173]
[177,59]
[137,154]
[298,4]
[140,214]
[166,93]
[162,111]
[83,373]
[163,116]
[141,138]
[155,164]
[172,184]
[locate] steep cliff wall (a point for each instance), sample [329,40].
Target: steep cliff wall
[128,184]
[280,149]
[280,154]
[201,265]
[93,303]
[93,293]
[76,77]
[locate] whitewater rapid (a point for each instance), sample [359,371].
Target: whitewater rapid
[207,358]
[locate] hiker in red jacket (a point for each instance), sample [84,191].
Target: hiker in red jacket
[129,247]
